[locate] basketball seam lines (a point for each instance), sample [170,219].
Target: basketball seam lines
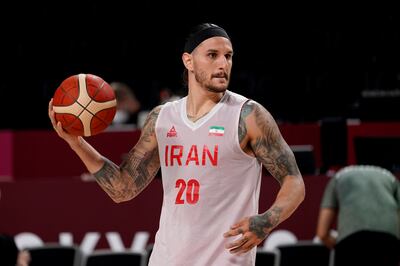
[75,101]
[85,107]
[91,99]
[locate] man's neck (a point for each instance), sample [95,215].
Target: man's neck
[200,102]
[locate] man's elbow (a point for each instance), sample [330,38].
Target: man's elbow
[301,191]
[118,200]
[122,198]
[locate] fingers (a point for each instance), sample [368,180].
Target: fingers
[51,113]
[235,230]
[235,226]
[56,125]
[71,139]
[243,244]
[246,242]
[245,247]
[50,104]
[50,107]
[237,243]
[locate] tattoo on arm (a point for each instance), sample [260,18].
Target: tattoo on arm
[136,171]
[110,180]
[141,167]
[150,125]
[262,224]
[246,110]
[270,147]
[105,175]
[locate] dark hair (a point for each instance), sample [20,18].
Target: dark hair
[203,32]
[197,35]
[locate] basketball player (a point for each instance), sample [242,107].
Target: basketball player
[211,146]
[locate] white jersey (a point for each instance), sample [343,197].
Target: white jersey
[209,184]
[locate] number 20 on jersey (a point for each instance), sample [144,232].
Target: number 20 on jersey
[188,191]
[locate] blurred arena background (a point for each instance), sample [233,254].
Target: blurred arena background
[304,66]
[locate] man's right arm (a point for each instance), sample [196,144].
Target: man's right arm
[137,170]
[123,182]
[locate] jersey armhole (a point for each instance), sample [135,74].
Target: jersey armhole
[237,143]
[158,118]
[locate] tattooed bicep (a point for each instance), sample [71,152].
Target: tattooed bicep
[148,130]
[152,117]
[247,109]
[270,147]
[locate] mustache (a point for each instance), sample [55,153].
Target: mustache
[220,75]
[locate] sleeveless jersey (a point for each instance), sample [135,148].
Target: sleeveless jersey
[209,184]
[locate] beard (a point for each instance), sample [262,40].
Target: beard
[214,83]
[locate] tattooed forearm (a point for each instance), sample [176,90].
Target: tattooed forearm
[106,173]
[278,160]
[262,224]
[125,182]
[108,177]
[141,167]
[246,110]
[138,168]
[271,149]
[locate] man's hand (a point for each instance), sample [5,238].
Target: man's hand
[24,258]
[70,139]
[252,231]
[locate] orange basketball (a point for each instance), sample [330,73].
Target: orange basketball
[84,104]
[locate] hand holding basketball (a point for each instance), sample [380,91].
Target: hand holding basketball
[70,139]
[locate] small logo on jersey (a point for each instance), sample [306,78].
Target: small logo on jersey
[216,131]
[172,132]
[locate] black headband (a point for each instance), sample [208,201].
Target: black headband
[202,35]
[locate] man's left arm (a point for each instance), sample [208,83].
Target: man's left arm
[258,128]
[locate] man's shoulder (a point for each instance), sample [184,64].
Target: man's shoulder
[365,169]
[233,97]
[156,110]
[253,107]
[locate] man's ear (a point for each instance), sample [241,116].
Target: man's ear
[187,61]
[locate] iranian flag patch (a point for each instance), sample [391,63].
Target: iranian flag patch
[216,131]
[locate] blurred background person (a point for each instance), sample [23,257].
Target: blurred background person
[167,95]
[364,201]
[10,255]
[128,105]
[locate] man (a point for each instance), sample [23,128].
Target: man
[366,200]
[211,146]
